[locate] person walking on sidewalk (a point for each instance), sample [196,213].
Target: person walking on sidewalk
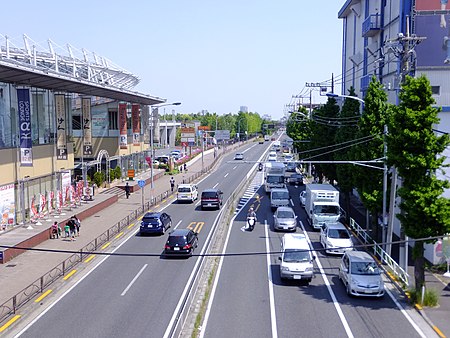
[77,224]
[127,190]
[72,228]
[172,183]
[55,232]
[67,230]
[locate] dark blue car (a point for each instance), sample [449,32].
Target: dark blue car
[155,222]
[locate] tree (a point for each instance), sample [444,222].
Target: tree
[298,128]
[414,149]
[348,118]
[369,181]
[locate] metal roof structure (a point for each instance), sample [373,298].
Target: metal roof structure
[95,76]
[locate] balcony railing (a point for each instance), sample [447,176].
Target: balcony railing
[371,25]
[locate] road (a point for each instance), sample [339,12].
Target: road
[137,296]
[250,300]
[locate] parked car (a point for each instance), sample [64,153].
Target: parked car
[181,242]
[361,275]
[284,218]
[211,198]
[335,238]
[155,222]
[296,179]
[239,156]
[303,198]
[187,193]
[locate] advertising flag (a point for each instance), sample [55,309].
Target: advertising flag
[61,143]
[123,142]
[23,104]
[136,123]
[87,126]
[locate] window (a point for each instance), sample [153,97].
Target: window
[76,122]
[112,118]
[436,90]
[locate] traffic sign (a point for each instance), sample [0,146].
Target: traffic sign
[141,183]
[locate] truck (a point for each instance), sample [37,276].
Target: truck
[266,137]
[274,176]
[322,204]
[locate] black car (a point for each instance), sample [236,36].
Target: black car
[155,222]
[211,198]
[181,242]
[296,179]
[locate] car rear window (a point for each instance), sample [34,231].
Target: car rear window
[173,240]
[152,219]
[184,189]
[282,195]
[285,214]
[209,195]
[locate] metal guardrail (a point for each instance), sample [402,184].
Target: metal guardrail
[378,252]
[12,305]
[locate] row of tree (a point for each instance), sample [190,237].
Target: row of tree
[413,149]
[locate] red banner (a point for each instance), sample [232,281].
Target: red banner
[136,124]
[123,142]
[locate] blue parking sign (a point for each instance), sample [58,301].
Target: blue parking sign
[141,183]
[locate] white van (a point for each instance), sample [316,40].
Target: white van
[187,193]
[296,258]
[279,197]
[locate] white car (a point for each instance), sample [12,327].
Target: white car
[239,156]
[187,193]
[272,157]
[335,238]
[303,198]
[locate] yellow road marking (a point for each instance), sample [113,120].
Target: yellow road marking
[191,225]
[140,217]
[106,245]
[119,234]
[131,225]
[256,209]
[90,258]
[439,332]
[45,294]
[69,274]
[9,323]
[199,227]
[157,206]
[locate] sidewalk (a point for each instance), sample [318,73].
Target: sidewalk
[437,317]
[106,210]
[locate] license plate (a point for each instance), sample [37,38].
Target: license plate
[176,248]
[209,204]
[297,277]
[285,228]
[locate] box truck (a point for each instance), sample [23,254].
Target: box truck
[322,204]
[274,176]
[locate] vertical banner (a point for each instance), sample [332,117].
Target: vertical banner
[23,104]
[61,144]
[123,142]
[136,124]
[87,126]
[7,206]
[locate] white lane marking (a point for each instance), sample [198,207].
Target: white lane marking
[176,226]
[403,311]
[273,315]
[292,203]
[235,167]
[198,203]
[133,280]
[226,175]
[215,185]
[327,283]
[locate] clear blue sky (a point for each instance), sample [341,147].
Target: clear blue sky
[209,55]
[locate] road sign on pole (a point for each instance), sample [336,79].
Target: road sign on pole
[141,183]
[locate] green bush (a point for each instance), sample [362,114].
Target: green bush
[112,175]
[118,172]
[431,297]
[99,178]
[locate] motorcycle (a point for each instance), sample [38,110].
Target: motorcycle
[260,167]
[251,220]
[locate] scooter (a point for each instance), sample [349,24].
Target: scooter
[251,220]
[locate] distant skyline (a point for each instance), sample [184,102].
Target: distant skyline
[214,56]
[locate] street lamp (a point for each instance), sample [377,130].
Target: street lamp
[385,170]
[152,150]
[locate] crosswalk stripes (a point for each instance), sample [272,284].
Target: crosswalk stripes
[250,191]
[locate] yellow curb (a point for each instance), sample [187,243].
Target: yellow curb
[69,274]
[418,306]
[119,235]
[105,246]
[132,224]
[45,294]
[90,258]
[9,323]
[439,332]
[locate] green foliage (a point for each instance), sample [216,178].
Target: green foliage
[118,172]
[298,127]
[112,175]
[431,297]
[99,178]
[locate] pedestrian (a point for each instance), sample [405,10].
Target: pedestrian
[181,168]
[67,230]
[77,224]
[72,229]
[127,190]
[172,183]
[185,167]
[55,233]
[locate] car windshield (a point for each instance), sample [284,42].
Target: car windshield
[184,189]
[364,268]
[326,209]
[338,233]
[174,240]
[285,214]
[275,179]
[291,255]
[209,195]
[280,195]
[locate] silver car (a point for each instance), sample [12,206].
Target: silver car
[303,198]
[285,219]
